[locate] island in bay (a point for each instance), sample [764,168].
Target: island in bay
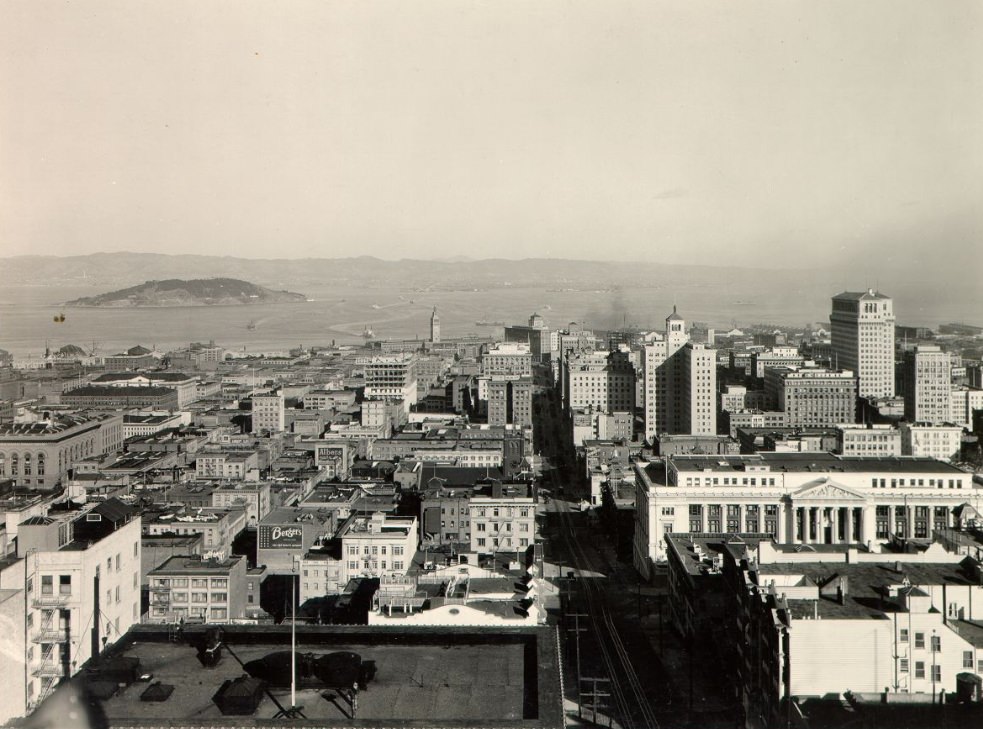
[194,292]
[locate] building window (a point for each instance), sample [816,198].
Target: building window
[64,584]
[936,643]
[220,597]
[937,673]
[398,565]
[919,640]
[968,659]
[903,635]
[903,665]
[47,585]
[199,597]
[919,669]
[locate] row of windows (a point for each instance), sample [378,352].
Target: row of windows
[28,465]
[397,550]
[197,582]
[895,482]
[504,542]
[728,481]
[397,565]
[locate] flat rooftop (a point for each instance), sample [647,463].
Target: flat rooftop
[424,678]
[813,462]
[866,594]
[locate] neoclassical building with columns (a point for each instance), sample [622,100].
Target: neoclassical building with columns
[798,498]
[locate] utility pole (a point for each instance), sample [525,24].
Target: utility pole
[577,630]
[595,695]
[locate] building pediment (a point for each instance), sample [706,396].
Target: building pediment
[826,489]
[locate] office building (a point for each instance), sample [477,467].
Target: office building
[926,374]
[862,336]
[812,396]
[268,412]
[507,359]
[392,378]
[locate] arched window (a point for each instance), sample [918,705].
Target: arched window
[3,464]
[27,464]
[40,464]
[13,464]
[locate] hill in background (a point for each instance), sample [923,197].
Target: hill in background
[196,292]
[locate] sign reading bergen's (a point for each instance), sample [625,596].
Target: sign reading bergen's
[280,536]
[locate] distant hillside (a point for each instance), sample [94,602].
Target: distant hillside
[196,292]
[120,269]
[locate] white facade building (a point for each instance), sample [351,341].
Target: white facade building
[862,335]
[798,498]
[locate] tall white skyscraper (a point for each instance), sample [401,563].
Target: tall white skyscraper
[862,333]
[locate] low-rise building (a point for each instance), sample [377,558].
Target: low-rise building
[144,424]
[210,590]
[931,441]
[218,527]
[287,534]
[856,439]
[255,498]
[121,398]
[226,465]
[184,386]
[502,523]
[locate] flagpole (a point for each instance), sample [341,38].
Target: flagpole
[293,642]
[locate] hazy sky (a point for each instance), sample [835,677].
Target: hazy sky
[789,133]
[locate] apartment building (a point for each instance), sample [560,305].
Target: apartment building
[377,545]
[502,524]
[82,577]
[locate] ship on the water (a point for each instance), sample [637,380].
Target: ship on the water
[368,333]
